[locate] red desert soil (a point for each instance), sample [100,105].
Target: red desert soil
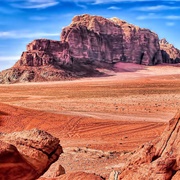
[99,121]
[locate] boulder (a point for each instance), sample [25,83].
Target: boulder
[13,165]
[27,154]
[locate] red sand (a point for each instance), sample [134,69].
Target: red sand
[98,120]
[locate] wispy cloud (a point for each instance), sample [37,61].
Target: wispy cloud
[149,16]
[114,8]
[119,1]
[19,35]
[9,58]
[99,2]
[34,4]
[157,8]
[156,16]
[172,17]
[170,24]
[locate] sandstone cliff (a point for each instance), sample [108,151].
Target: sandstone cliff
[88,43]
[95,38]
[170,54]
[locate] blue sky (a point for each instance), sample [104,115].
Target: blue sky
[22,21]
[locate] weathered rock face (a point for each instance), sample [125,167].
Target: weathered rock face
[42,52]
[170,54]
[157,160]
[27,154]
[96,38]
[85,44]
[93,38]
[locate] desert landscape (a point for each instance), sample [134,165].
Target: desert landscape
[99,121]
[101,103]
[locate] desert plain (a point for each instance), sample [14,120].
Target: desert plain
[100,121]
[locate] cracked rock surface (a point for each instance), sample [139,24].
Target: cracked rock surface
[27,154]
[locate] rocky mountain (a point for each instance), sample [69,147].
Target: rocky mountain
[88,43]
[170,54]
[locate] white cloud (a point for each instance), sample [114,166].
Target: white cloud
[115,1]
[19,35]
[81,5]
[34,4]
[114,8]
[170,23]
[172,17]
[99,2]
[9,58]
[156,16]
[149,16]
[157,8]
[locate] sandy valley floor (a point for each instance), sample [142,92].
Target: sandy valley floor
[99,121]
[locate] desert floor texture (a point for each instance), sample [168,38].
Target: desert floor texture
[100,121]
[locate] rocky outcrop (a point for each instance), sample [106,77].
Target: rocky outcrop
[157,160]
[94,38]
[27,154]
[43,52]
[88,43]
[170,54]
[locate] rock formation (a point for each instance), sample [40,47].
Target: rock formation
[157,160]
[27,154]
[94,38]
[170,54]
[87,43]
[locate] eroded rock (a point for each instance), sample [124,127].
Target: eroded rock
[27,154]
[95,38]
[170,54]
